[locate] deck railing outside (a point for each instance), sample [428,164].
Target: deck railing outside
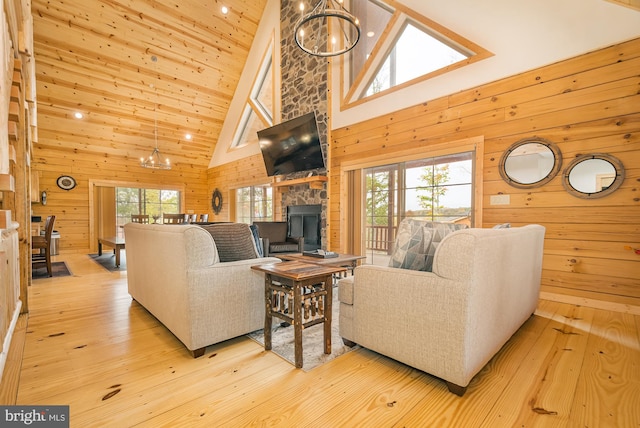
[380,238]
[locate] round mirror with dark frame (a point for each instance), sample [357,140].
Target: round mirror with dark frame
[593,176]
[530,162]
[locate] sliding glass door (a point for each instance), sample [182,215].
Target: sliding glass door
[152,202]
[436,189]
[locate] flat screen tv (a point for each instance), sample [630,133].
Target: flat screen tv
[292,146]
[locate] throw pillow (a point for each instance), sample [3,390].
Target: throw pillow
[411,245]
[440,230]
[502,226]
[256,237]
[233,240]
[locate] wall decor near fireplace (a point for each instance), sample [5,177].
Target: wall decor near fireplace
[216,201]
[593,176]
[531,162]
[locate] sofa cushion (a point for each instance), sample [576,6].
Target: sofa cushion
[233,240]
[345,290]
[417,241]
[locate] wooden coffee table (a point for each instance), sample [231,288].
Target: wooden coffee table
[301,294]
[350,261]
[114,242]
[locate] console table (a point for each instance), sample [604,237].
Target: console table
[301,294]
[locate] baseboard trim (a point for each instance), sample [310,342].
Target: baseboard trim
[7,339]
[591,303]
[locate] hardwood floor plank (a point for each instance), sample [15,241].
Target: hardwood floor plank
[488,386]
[608,392]
[181,384]
[13,364]
[116,365]
[538,378]
[295,398]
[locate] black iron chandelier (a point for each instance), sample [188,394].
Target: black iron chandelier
[329,29]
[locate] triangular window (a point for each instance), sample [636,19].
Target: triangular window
[414,54]
[259,111]
[398,47]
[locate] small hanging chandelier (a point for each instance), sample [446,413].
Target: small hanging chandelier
[154,160]
[328,30]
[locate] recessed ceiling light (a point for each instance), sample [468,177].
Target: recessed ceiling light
[371,34]
[225,10]
[188,136]
[78,115]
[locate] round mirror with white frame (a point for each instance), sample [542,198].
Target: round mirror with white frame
[593,176]
[530,162]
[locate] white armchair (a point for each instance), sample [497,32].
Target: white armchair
[449,322]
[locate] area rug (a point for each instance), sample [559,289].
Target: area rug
[58,269]
[312,340]
[108,261]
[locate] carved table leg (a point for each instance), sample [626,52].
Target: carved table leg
[328,299]
[267,312]
[297,323]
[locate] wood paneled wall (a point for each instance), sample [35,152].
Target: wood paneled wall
[586,104]
[72,208]
[228,177]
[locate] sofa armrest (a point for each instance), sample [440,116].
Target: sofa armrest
[415,317]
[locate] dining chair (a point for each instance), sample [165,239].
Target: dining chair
[173,218]
[140,218]
[204,218]
[43,243]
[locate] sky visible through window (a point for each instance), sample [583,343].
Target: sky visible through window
[415,54]
[458,186]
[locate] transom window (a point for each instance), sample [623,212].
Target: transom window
[405,63]
[259,110]
[398,47]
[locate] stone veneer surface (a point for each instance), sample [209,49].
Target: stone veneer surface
[304,89]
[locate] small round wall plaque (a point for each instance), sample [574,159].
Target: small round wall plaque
[66,183]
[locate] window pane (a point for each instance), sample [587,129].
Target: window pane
[373,17]
[436,189]
[419,53]
[247,132]
[254,204]
[264,94]
[152,202]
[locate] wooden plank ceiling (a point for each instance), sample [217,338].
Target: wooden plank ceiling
[96,57]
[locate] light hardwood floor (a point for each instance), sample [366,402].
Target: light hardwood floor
[87,345]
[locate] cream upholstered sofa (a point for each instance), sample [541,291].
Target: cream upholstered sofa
[176,273]
[449,322]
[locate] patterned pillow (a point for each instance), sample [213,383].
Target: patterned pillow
[256,237]
[502,226]
[412,243]
[417,241]
[233,240]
